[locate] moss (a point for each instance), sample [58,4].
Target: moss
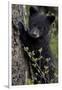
[29,81]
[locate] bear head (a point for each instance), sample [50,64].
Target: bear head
[39,24]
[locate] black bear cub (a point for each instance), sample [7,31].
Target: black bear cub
[35,42]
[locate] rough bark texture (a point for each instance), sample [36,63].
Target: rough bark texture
[18,61]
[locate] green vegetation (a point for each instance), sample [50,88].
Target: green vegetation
[54,45]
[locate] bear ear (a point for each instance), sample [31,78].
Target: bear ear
[51,19]
[33,10]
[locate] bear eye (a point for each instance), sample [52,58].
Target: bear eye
[39,27]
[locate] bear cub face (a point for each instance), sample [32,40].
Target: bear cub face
[39,24]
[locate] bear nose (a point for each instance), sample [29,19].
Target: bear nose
[34,33]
